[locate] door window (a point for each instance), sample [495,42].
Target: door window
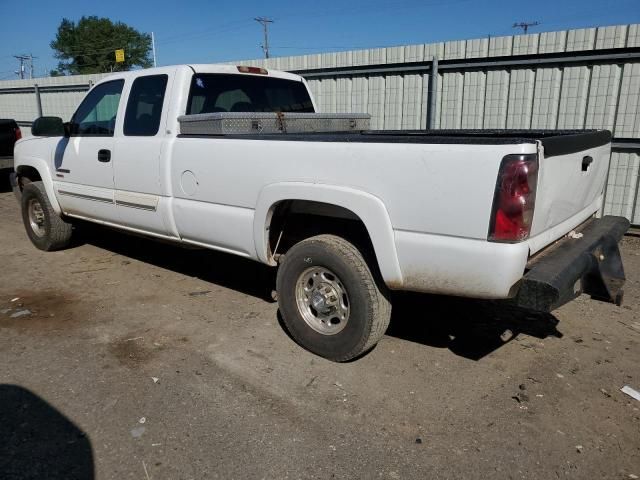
[96,115]
[144,107]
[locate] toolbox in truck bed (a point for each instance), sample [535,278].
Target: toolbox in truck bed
[238,123]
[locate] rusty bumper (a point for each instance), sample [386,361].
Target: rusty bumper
[587,262]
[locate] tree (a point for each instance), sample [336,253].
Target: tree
[89,46]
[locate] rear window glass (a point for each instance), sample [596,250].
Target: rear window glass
[211,93]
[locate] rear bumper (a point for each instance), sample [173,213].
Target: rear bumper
[588,262]
[6,162]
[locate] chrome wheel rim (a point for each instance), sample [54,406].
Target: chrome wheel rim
[322,300]
[36,217]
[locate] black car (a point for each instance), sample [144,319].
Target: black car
[9,134]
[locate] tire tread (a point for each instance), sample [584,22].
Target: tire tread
[59,234]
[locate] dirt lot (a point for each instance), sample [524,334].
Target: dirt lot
[143,360]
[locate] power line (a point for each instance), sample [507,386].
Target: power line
[21,69]
[80,52]
[225,27]
[351,47]
[264,21]
[79,47]
[85,54]
[373,9]
[21,59]
[31,66]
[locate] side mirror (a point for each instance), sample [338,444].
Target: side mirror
[48,127]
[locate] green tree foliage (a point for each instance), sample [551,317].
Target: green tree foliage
[89,46]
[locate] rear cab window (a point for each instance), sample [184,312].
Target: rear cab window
[144,107]
[219,93]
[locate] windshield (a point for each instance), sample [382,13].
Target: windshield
[211,93]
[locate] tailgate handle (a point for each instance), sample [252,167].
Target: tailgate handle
[586,163]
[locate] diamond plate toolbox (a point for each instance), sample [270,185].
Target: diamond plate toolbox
[240,123]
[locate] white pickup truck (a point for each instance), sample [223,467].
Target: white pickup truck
[345,216]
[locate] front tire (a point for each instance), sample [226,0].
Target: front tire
[46,230]
[330,300]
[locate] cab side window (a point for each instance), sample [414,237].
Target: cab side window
[144,107]
[96,115]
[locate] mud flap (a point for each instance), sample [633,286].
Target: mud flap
[13,179]
[588,262]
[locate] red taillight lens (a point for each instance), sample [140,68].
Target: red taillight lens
[515,199]
[17,133]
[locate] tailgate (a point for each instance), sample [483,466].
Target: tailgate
[572,174]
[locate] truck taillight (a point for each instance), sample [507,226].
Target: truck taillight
[17,133]
[514,199]
[254,70]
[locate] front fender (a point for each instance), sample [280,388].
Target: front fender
[367,207]
[45,173]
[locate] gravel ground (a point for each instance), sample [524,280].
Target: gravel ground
[144,360]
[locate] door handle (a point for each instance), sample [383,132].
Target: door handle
[104,156]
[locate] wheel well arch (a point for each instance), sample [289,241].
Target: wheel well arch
[318,209]
[343,201]
[36,170]
[291,221]
[29,173]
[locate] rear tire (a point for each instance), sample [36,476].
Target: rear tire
[330,300]
[46,230]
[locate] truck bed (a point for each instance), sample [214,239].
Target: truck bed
[555,142]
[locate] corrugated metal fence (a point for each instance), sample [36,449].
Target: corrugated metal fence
[587,78]
[26,100]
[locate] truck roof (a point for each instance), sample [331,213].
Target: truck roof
[204,68]
[233,69]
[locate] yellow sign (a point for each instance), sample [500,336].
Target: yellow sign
[119,56]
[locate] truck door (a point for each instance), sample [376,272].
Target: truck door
[140,200]
[83,162]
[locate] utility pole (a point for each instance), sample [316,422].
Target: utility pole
[153,48]
[21,70]
[21,59]
[31,67]
[264,21]
[525,26]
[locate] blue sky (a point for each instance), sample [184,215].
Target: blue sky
[209,31]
